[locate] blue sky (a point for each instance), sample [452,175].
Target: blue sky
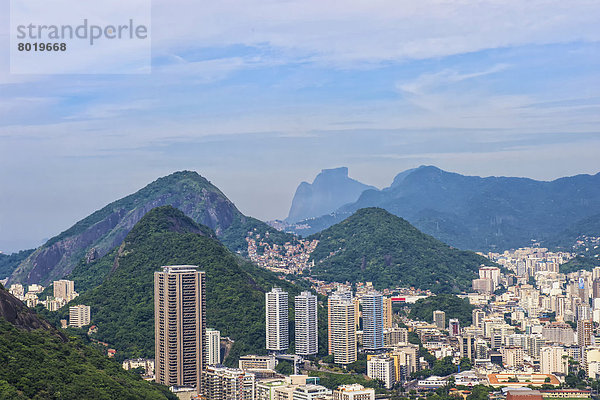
[260,95]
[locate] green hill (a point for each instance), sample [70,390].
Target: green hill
[453,306]
[102,231]
[374,245]
[10,262]
[122,305]
[39,362]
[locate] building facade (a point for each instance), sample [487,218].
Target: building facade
[372,314]
[276,309]
[213,347]
[382,367]
[554,360]
[222,383]
[307,332]
[79,316]
[180,325]
[64,289]
[353,392]
[342,329]
[439,319]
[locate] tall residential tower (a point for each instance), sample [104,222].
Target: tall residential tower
[372,314]
[342,328]
[180,325]
[276,308]
[306,324]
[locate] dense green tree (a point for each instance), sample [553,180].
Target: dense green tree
[453,306]
[43,365]
[465,364]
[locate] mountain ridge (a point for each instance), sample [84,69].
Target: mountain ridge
[106,228]
[471,212]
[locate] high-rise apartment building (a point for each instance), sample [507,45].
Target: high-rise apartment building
[585,330]
[213,347]
[554,360]
[306,324]
[478,316]
[180,325]
[439,319]
[347,295]
[64,289]
[388,313]
[492,273]
[596,288]
[276,309]
[467,347]
[393,336]
[372,314]
[342,328]
[79,316]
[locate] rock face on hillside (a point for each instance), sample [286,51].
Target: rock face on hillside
[16,313]
[331,189]
[106,228]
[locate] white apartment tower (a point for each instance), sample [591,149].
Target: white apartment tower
[306,324]
[372,313]
[79,316]
[342,329]
[213,347]
[180,325]
[276,309]
[382,368]
[554,360]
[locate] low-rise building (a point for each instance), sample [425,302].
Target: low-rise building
[382,368]
[146,363]
[79,316]
[257,362]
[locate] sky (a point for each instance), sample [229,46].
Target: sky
[258,96]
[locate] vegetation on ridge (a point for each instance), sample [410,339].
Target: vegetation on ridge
[374,245]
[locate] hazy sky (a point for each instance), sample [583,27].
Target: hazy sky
[260,95]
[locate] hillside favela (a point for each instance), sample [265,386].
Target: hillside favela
[172,292]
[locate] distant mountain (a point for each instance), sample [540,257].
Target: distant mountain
[122,305]
[374,245]
[331,189]
[99,233]
[583,238]
[471,212]
[39,362]
[566,239]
